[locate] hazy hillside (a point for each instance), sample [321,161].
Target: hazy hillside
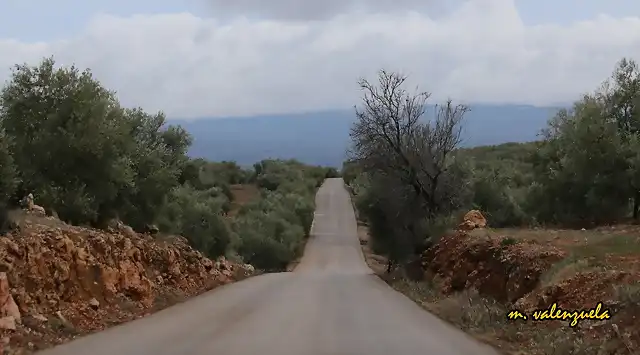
[322,137]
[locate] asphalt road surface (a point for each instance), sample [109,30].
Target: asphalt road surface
[331,305]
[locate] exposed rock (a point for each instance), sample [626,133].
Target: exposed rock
[583,290]
[223,264]
[39,317]
[8,323]
[117,226]
[472,220]
[509,270]
[249,268]
[32,207]
[505,272]
[8,307]
[152,229]
[94,303]
[90,279]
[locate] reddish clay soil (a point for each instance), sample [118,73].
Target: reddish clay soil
[67,281]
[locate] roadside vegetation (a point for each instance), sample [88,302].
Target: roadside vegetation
[562,214]
[89,161]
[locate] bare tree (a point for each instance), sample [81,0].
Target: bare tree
[407,157]
[392,137]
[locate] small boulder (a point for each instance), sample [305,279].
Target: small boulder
[94,303]
[472,220]
[249,268]
[152,229]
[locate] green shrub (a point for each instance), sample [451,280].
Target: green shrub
[205,230]
[81,153]
[197,215]
[8,174]
[272,230]
[332,173]
[269,242]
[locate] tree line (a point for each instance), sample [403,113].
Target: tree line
[412,179]
[88,160]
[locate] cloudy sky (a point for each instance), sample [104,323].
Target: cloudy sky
[195,58]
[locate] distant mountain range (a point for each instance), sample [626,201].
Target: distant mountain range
[323,137]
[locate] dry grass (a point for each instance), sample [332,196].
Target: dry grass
[567,268]
[629,295]
[588,242]
[376,262]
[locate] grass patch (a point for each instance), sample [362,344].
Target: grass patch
[422,292]
[628,295]
[566,268]
[472,312]
[508,241]
[615,244]
[565,341]
[63,326]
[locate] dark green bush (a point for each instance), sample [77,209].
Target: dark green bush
[271,231]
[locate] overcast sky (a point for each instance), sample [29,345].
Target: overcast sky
[232,57]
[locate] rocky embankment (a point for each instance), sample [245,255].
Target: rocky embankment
[512,271]
[59,282]
[498,267]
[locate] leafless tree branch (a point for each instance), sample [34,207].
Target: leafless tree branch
[392,137]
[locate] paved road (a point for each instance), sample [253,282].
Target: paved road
[331,305]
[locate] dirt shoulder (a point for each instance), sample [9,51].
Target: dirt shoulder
[59,282]
[474,279]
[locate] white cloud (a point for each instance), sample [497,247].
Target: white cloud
[317,10]
[191,66]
